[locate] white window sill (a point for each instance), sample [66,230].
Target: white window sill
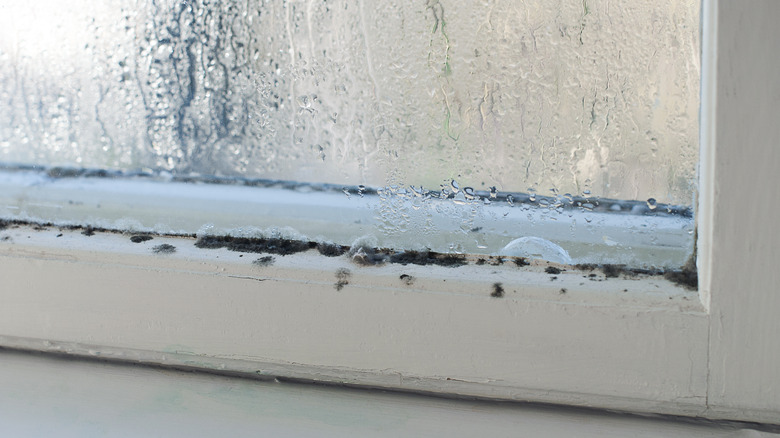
[604,342]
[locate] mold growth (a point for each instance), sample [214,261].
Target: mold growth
[342,278]
[264,261]
[521,261]
[428,258]
[407,279]
[366,256]
[687,277]
[331,249]
[273,245]
[164,249]
[365,252]
[498,290]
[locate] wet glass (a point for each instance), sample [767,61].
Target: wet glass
[451,114]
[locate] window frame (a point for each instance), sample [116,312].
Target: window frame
[648,350]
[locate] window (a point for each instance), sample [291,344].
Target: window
[466,125]
[504,332]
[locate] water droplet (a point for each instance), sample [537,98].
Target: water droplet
[346,191]
[419,192]
[361,189]
[532,197]
[586,192]
[652,203]
[468,192]
[493,192]
[455,186]
[536,248]
[510,200]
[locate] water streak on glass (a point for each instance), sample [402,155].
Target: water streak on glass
[569,102]
[573,95]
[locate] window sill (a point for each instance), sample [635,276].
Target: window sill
[617,343]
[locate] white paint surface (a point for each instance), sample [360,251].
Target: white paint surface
[443,333]
[744,373]
[44,396]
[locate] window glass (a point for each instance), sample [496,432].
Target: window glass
[562,116]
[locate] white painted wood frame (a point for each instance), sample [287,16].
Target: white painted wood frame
[641,345]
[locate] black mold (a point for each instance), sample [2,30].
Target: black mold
[407,279]
[563,291]
[264,261]
[552,270]
[331,249]
[428,258]
[89,231]
[141,238]
[612,271]
[496,261]
[521,261]
[164,249]
[272,245]
[342,278]
[686,278]
[498,291]
[366,256]
[481,261]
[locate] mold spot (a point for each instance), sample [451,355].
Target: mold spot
[164,249]
[330,249]
[272,245]
[521,261]
[481,261]
[264,261]
[563,291]
[428,258]
[686,278]
[5,239]
[366,256]
[496,261]
[612,271]
[553,278]
[342,278]
[552,270]
[407,279]
[59,235]
[89,231]
[498,290]
[140,238]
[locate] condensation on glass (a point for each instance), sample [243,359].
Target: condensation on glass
[578,98]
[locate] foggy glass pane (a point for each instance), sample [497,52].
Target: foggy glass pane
[575,96]
[476,127]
